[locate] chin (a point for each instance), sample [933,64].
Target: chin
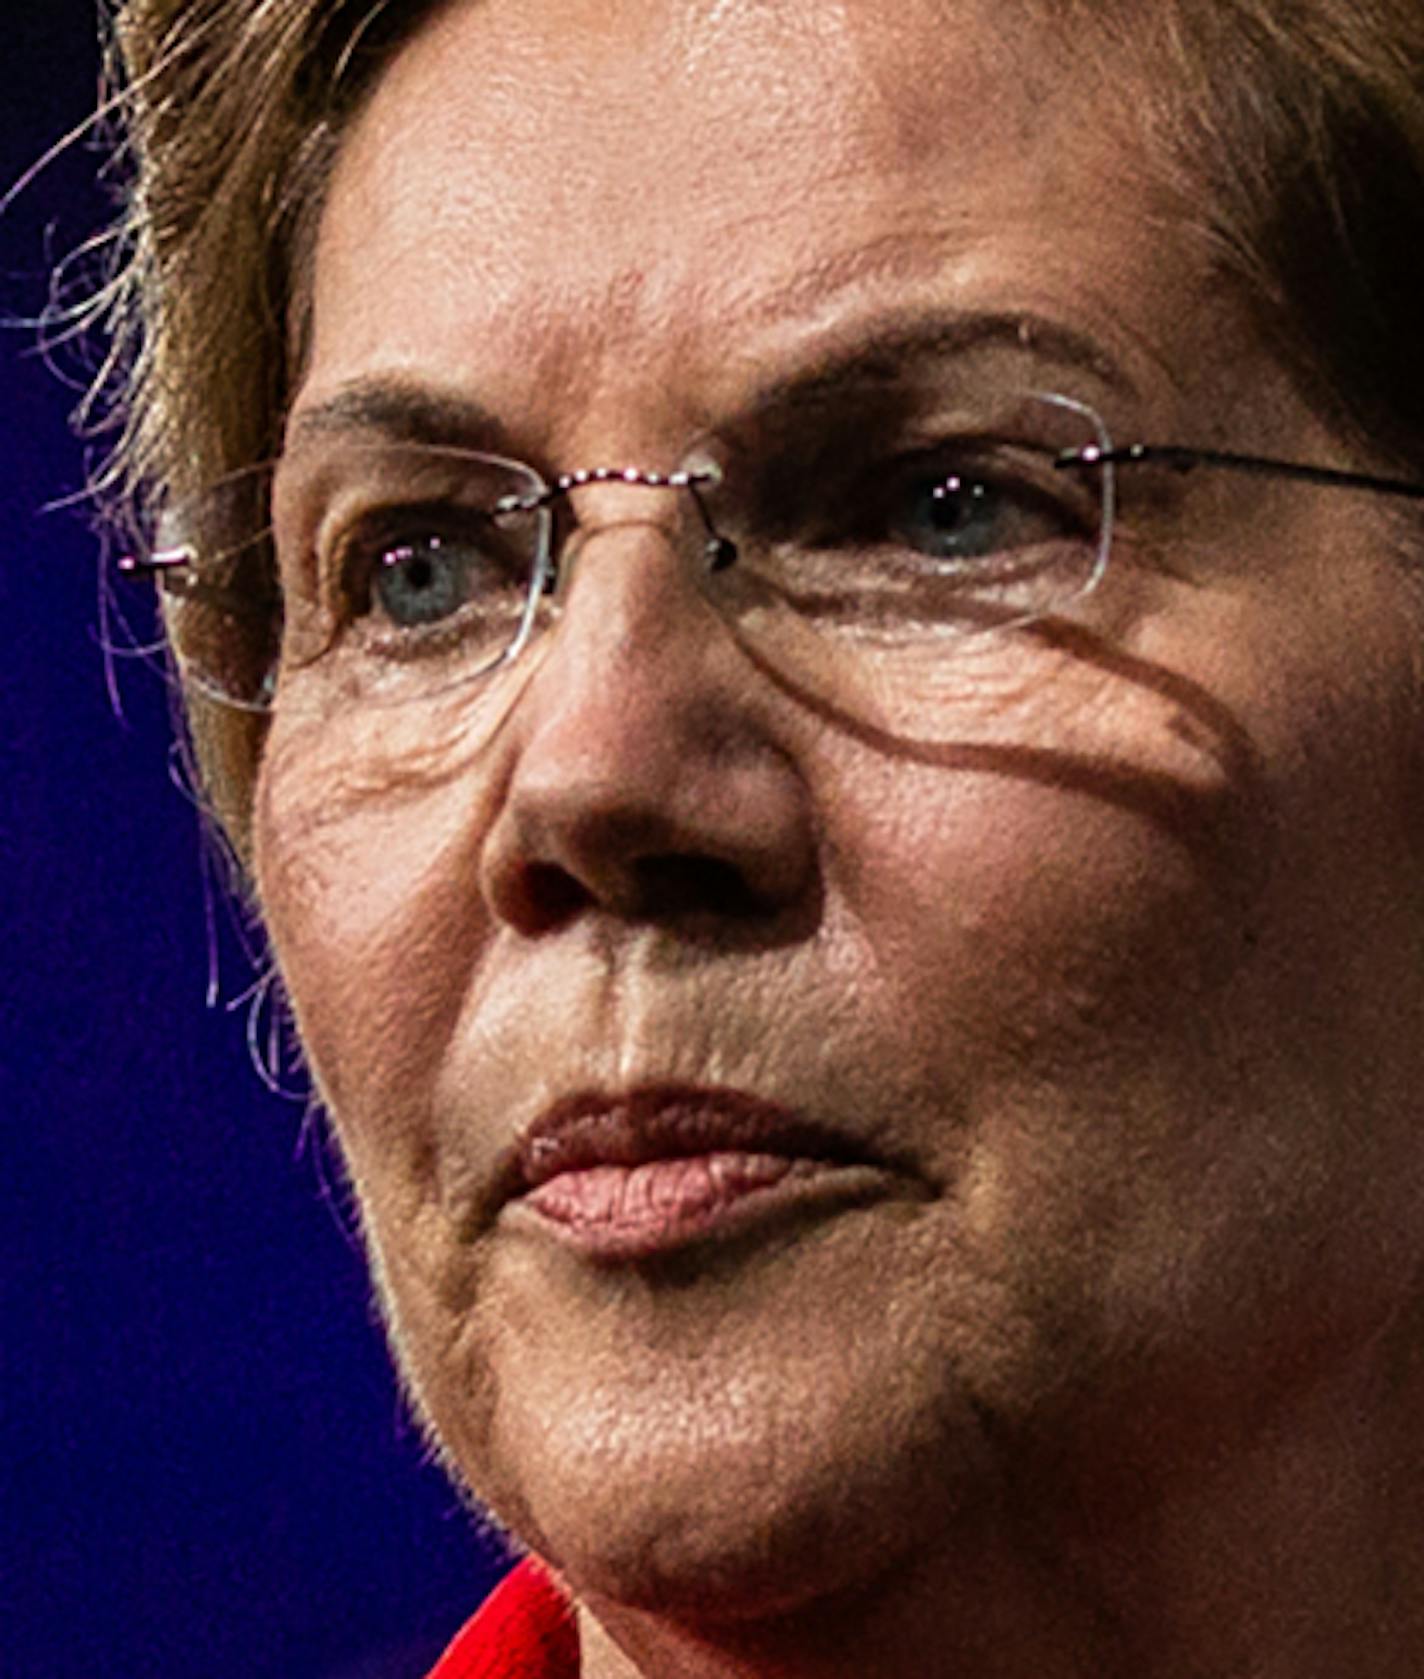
[701,1565]
[727,1496]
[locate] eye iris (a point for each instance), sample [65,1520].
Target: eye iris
[951,513]
[420,582]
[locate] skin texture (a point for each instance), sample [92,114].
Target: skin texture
[1116,960]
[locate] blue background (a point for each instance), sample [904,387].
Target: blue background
[206,1467]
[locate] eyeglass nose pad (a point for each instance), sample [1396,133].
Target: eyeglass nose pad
[721,553]
[701,473]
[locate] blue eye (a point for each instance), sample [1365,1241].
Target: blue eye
[951,516]
[423,581]
[973,513]
[415,568]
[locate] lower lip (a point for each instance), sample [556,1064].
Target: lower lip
[632,1212]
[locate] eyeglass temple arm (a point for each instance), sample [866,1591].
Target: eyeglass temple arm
[172,566]
[1180,459]
[173,570]
[166,562]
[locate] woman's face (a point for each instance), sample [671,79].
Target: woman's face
[1103,977]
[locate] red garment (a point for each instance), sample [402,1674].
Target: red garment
[525,1629]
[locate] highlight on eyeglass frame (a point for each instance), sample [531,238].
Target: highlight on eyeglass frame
[382,573]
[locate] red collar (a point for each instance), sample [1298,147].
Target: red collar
[525,1629]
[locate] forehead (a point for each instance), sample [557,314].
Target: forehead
[699,87]
[574,197]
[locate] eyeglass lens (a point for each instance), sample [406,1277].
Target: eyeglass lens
[417,575]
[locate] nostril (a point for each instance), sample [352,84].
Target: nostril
[662,886]
[672,884]
[550,896]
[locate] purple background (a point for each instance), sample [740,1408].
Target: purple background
[206,1468]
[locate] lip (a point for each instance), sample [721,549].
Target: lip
[641,1173]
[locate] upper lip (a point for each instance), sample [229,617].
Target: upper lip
[667,1122]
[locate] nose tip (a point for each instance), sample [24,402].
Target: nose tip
[568,856]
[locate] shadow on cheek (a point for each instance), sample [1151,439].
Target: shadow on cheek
[1213,803]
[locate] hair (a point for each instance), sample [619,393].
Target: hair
[1291,130]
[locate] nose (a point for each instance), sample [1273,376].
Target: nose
[645,774]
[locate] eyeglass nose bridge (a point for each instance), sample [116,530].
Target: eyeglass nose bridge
[719,551]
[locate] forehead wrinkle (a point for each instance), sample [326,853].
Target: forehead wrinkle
[580,340]
[631,331]
[633,322]
[680,291]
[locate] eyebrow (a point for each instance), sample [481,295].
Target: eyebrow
[893,347]
[885,352]
[400,409]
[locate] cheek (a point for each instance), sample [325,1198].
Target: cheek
[1049,976]
[372,901]
[1110,929]
[1068,861]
